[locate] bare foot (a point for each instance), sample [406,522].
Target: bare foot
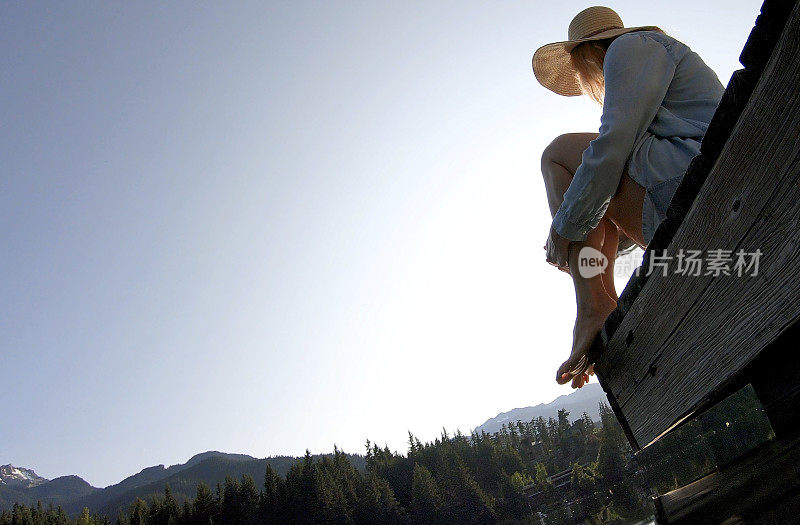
[588,324]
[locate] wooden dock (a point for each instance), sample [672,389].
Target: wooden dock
[677,343]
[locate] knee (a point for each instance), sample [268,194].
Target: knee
[554,153]
[567,150]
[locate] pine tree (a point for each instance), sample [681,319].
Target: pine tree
[376,503]
[204,507]
[301,490]
[588,424]
[412,444]
[248,501]
[165,512]
[331,502]
[465,501]
[139,512]
[610,461]
[231,514]
[272,503]
[61,516]
[84,518]
[426,499]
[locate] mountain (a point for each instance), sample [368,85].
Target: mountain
[22,485]
[12,476]
[151,480]
[154,475]
[73,493]
[586,399]
[61,488]
[197,458]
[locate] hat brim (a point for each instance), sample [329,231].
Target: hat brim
[553,68]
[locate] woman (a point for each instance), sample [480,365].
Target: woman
[658,97]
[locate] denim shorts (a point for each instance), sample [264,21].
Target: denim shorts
[658,164]
[656,202]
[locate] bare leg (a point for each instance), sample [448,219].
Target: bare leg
[595,296]
[609,249]
[559,162]
[593,307]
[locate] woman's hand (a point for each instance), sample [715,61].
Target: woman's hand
[557,250]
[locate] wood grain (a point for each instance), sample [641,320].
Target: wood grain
[686,336]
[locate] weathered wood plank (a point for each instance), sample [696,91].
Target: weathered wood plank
[685,336]
[755,55]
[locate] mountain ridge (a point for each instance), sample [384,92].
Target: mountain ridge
[74,493]
[21,485]
[586,399]
[12,476]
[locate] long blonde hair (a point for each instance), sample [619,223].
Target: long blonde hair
[587,59]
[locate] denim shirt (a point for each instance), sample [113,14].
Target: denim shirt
[659,98]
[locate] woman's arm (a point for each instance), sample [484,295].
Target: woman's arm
[637,71]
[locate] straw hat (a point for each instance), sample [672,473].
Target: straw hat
[551,63]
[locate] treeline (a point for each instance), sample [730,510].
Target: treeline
[552,471]
[706,443]
[480,478]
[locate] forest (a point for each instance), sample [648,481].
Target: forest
[542,471]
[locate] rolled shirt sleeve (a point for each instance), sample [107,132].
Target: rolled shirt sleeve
[638,71]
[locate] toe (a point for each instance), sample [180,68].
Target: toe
[565,371]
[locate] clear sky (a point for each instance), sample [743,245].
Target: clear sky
[262,227]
